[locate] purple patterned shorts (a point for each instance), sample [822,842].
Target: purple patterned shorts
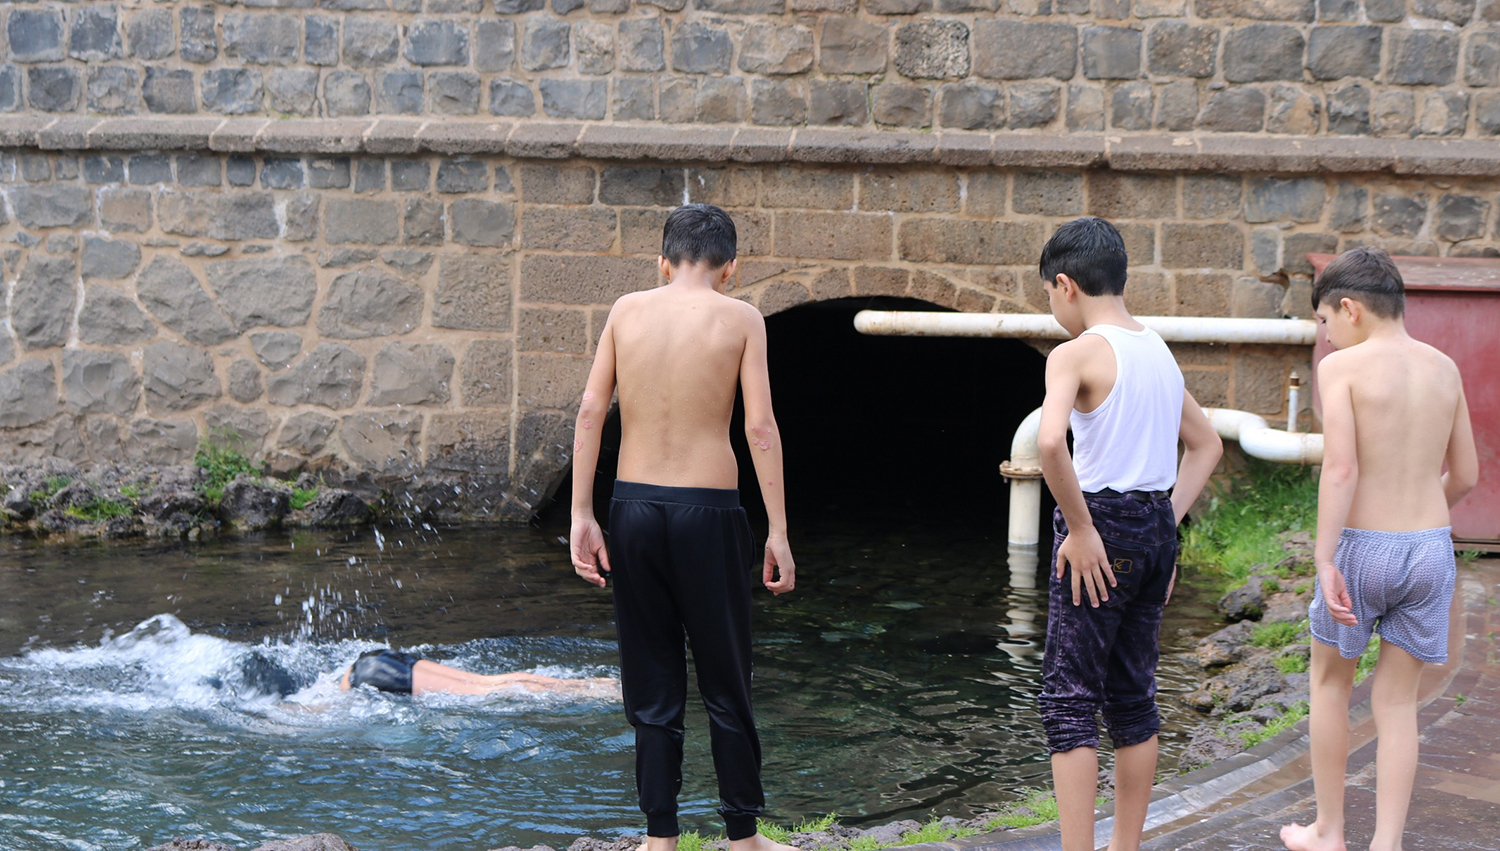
[1105,658]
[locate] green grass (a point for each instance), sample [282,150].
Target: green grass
[221,463]
[1367,660]
[1292,663]
[50,488]
[1289,716]
[98,509]
[1466,558]
[132,492]
[1302,587]
[303,497]
[1277,635]
[1460,699]
[1246,522]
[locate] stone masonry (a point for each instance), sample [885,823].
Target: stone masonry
[379,243]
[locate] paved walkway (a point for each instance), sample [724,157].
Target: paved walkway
[1241,803]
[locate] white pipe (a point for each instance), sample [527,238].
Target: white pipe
[1292,401]
[1024,471]
[1041,326]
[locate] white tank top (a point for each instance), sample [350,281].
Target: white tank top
[1129,442]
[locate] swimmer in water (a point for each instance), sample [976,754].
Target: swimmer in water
[402,673]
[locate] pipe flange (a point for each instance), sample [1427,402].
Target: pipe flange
[1015,473]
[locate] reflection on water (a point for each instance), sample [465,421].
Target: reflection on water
[900,678]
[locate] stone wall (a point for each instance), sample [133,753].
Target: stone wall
[378,239]
[1303,67]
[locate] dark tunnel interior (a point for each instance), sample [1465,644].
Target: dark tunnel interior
[879,429]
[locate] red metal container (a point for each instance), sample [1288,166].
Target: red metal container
[1453,303]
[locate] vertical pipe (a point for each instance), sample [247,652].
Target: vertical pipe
[1292,402]
[1024,470]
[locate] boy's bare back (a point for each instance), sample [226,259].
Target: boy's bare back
[1404,404]
[678,359]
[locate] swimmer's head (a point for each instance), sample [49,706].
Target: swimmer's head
[1356,286]
[1084,259]
[700,235]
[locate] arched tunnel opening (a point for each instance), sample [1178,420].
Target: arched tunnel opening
[880,430]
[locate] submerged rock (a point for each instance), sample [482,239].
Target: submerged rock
[1224,647]
[335,507]
[315,842]
[1247,602]
[1211,744]
[191,845]
[251,505]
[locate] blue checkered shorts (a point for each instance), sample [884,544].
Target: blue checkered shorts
[1403,580]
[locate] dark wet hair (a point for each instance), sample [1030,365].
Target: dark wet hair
[1366,274]
[698,233]
[1090,251]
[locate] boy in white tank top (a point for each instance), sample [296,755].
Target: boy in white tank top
[1115,528]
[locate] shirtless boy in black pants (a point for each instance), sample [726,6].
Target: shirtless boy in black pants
[680,552]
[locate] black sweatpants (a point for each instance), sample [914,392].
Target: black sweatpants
[680,564]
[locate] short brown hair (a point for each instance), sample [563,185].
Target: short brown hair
[1366,274]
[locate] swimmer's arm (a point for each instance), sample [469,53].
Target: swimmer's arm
[1336,485]
[586,541]
[1202,450]
[1083,549]
[1462,458]
[765,452]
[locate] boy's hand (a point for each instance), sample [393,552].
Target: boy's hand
[1336,595]
[1083,550]
[590,556]
[779,560]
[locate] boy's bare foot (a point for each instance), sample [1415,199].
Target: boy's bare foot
[758,843]
[659,843]
[1309,838]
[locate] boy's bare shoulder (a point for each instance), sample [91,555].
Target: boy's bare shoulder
[1080,349]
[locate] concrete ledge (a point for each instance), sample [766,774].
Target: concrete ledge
[696,143]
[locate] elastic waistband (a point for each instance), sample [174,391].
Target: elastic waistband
[1444,533]
[1138,496]
[711,497]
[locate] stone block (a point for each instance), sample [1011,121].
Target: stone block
[1444,113]
[820,189]
[778,103]
[149,34]
[1177,107]
[970,106]
[512,99]
[322,172]
[580,279]
[1337,52]
[1111,53]
[578,99]
[232,91]
[494,45]
[1422,57]
[270,291]
[28,394]
[1487,113]
[369,175]
[410,374]
[933,50]
[306,433]
[281,173]
[897,105]
[634,99]
[471,443]
[848,45]
[458,176]
[769,49]
[178,377]
[1338,10]
[260,39]
[1185,246]
[346,93]
[1020,50]
[1399,215]
[94,34]
[384,442]
[52,205]
[292,91]
[473,293]
[553,330]
[437,42]
[1179,49]
[897,7]
[276,349]
[109,317]
[247,215]
[720,100]
[53,88]
[1085,111]
[168,92]
[1259,52]
[360,220]
[485,374]
[1298,245]
[123,209]
[244,381]
[1239,109]
[1262,10]
[543,183]
[1458,12]
[330,376]
[1131,196]
[1211,196]
[198,34]
[161,442]
[109,259]
[1392,113]
[34,35]
[1461,217]
[639,186]
[551,381]
[1349,211]
[41,301]
[399,92]
[1482,59]
[424,222]
[1034,105]
[568,228]
[1047,193]
[1002,243]
[594,43]
[1349,110]
[904,190]
[301,217]
[701,49]
[642,45]
[1130,106]
[482,223]
[1277,199]
[321,40]
[1293,111]
[1202,294]
[369,42]
[10,88]
[99,383]
[679,99]
[103,169]
[545,44]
